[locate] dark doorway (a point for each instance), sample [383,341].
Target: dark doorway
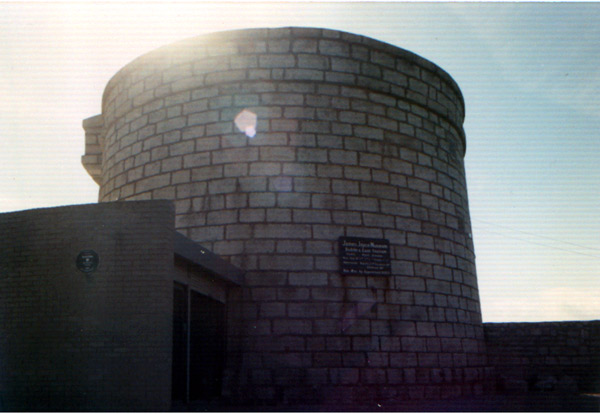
[198,345]
[207,346]
[180,343]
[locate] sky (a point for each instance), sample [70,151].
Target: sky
[529,73]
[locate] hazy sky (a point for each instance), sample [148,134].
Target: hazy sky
[530,75]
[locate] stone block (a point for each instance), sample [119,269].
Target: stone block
[312,155]
[234,155]
[317,376]
[327,293]
[277,153]
[221,217]
[343,157]
[219,128]
[433,345]
[327,359]
[220,186]
[378,191]
[362,204]
[293,200]
[252,215]
[354,359]
[207,173]
[378,220]
[368,132]
[423,299]
[292,327]
[405,329]
[286,262]
[311,216]
[317,127]
[284,125]
[280,184]
[289,99]
[345,217]
[265,168]
[298,169]
[252,184]
[328,201]
[330,141]
[436,314]
[311,185]
[345,65]
[308,279]
[378,359]
[261,200]
[365,343]
[290,246]
[334,48]
[152,183]
[328,263]
[380,327]
[293,294]
[357,173]
[345,187]
[283,215]
[403,359]
[344,375]
[272,309]
[224,77]
[238,231]
[429,256]
[304,74]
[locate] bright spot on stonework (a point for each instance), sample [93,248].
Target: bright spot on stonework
[246,122]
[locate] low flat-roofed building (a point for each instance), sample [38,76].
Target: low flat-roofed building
[118,332]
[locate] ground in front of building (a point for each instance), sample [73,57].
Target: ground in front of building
[526,402]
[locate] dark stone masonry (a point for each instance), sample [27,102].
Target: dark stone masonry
[552,356]
[272,148]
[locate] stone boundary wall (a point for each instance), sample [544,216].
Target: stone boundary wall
[73,342]
[559,356]
[355,138]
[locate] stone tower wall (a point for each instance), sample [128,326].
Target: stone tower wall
[354,138]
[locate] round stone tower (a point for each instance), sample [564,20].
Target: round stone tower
[349,144]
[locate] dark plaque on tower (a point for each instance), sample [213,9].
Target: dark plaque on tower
[363,256]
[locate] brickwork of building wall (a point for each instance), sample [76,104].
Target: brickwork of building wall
[557,356]
[354,138]
[69,341]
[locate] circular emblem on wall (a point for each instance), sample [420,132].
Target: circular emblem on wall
[87,261]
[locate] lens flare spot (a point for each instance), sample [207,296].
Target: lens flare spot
[245,121]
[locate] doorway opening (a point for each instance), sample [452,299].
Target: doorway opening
[198,345]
